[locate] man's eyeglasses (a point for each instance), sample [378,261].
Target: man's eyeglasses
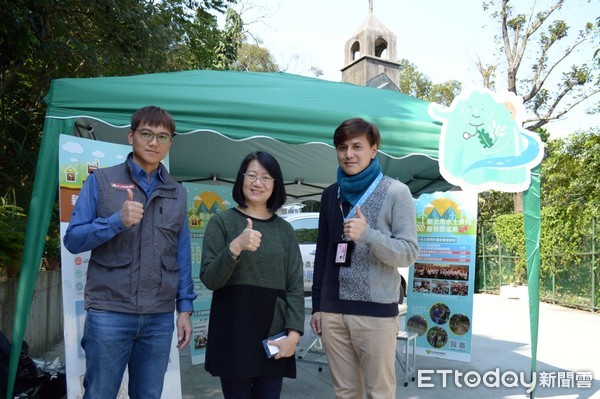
[148,135]
[252,177]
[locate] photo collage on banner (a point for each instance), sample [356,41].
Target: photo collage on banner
[204,200]
[440,288]
[77,158]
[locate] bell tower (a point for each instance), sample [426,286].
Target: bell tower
[370,55]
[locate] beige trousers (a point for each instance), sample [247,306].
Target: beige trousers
[361,353]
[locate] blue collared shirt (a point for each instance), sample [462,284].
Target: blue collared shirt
[86,231]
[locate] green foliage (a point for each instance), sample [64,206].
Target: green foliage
[556,31]
[53,244]
[510,231]
[416,84]
[198,51]
[12,230]
[231,40]
[517,22]
[48,39]
[307,236]
[570,197]
[444,93]
[493,203]
[565,252]
[252,57]
[413,82]
[570,200]
[569,174]
[206,46]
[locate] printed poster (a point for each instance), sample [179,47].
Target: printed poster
[77,158]
[441,281]
[204,200]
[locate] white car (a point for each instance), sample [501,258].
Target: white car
[306,225]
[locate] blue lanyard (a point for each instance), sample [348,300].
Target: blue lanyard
[362,199]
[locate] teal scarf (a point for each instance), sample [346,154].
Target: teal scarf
[352,187]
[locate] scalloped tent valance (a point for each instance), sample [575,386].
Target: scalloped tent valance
[223,115]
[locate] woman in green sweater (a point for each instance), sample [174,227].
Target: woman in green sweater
[252,262]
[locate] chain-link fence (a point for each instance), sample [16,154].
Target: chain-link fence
[572,281]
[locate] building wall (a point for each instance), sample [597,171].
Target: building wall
[366,68]
[45,324]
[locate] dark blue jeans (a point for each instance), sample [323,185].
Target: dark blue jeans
[252,388]
[113,340]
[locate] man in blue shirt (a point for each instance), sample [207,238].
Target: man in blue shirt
[133,218]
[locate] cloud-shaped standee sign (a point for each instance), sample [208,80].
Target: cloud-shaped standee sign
[483,144]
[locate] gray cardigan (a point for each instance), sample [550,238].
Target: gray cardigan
[370,286]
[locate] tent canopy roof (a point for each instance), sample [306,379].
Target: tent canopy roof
[222,116]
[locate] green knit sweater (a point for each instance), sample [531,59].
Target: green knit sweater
[260,294]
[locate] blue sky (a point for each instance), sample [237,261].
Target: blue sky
[442,38]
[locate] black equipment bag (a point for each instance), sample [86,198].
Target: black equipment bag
[27,372]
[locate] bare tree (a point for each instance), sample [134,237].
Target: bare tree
[538,52]
[254,13]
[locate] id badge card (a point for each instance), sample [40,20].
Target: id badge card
[343,253]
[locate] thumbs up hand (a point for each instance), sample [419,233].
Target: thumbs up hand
[248,240]
[355,227]
[132,211]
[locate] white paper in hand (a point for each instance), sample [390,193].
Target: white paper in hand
[272,350]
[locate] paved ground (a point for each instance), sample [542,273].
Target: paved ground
[568,343]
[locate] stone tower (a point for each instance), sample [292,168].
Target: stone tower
[370,55]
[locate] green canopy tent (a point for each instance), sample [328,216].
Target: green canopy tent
[221,116]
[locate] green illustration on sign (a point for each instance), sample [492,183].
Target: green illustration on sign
[483,144]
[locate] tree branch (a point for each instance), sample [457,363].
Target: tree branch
[507,47]
[536,88]
[548,117]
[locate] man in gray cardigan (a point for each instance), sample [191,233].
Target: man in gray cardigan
[367,229]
